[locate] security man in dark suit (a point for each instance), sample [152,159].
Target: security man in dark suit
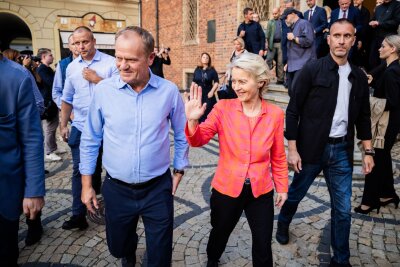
[330,97]
[317,16]
[21,156]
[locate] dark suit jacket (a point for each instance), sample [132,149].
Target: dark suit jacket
[388,15]
[310,111]
[353,15]
[318,20]
[21,140]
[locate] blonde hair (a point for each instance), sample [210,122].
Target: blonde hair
[255,66]
[240,40]
[394,41]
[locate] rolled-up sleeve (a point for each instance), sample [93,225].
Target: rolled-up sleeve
[178,119]
[91,138]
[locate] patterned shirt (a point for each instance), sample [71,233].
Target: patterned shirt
[258,154]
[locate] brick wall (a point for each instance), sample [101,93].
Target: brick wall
[186,57]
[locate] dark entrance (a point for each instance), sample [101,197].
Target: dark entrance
[14,33]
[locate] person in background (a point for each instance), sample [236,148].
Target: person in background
[61,70]
[385,21]
[274,37]
[207,77]
[82,74]
[50,117]
[22,185]
[252,33]
[161,58]
[300,48]
[361,54]
[379,184]
[317,17]
[256,17]
[250,134]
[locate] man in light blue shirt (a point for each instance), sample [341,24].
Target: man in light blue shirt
[61,71]
[81,77]
[132,115]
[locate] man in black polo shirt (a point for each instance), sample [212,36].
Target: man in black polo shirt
[252,33]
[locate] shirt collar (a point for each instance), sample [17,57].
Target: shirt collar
[97,57]
[152,83]
[313,8]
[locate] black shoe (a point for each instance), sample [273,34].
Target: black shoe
[394,200]
[212,263]
[361,211]
[128,261]
[35,231]
[75,222]
[282,233]
[335,264]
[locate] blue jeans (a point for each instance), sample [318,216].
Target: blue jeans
[337,170]
[74,140]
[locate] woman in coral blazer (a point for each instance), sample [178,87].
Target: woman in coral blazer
[252,158]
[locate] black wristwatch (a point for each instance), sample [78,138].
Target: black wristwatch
[370,152]
[178,171]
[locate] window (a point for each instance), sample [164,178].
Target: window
[190,21]
[259,6]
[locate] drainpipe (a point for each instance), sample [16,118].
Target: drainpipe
[140,13]
[157,26]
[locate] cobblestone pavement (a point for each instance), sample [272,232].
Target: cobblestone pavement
[374,240]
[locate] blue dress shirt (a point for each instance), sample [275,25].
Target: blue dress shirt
[134,128]
[78,91]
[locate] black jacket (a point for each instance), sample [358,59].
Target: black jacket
[254,37]
[310,112]
[388,16]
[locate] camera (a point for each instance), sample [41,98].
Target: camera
[36,58]
[168,49]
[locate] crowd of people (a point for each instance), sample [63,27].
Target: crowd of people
[102,106]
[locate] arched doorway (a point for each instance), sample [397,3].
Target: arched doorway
[14,33]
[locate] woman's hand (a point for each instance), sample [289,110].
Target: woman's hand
[280,199]
[193,107]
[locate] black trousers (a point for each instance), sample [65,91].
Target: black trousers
[226,212]
[8,242]
[379,183]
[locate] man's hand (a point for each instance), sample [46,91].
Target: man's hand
[370,78]
[261,53]
[88,197]
[294,160]
[91,75]
[31,206]
[176,179]
[242,33]
[280,199]
[290,36]
[373,23]
[64,132]
[285,67]
[210,94]
[368,164]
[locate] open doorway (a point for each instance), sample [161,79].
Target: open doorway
[14,33]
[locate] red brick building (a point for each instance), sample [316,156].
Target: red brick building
[190,27]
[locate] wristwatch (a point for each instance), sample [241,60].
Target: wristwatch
[370,152]
[178,171]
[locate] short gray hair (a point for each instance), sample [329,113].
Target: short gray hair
[147,38]
[255,66]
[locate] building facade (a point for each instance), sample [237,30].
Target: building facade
[190,27]
[34,24]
